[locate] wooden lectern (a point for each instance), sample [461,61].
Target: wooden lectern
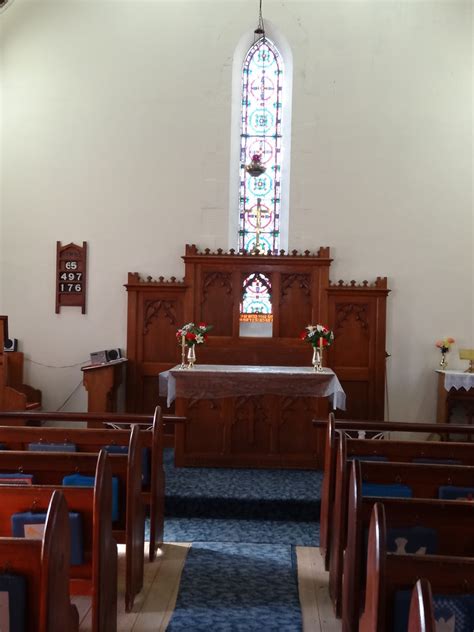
[101,382]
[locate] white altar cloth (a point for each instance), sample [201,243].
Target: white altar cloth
[457,380]
[213,380]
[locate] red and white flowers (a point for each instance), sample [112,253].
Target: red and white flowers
[193,334]
[317,335]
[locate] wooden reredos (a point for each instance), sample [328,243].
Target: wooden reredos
[302,293]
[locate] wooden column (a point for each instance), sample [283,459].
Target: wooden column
[101,382]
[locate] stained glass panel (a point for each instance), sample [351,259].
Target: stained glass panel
[256,303]
[259,207]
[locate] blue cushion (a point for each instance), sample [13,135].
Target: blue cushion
[401,610]
[459,606]
[394,490]
[411,540]
[79,480]
[146,468]
[15,587]
[16,478]
[451,492]
[51,447]
[21,521]
[445,606]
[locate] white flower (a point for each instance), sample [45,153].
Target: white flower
[199,339]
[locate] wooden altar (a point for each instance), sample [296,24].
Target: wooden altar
[301,293]
[276,405]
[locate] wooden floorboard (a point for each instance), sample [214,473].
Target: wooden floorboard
[316,607]
[155,604]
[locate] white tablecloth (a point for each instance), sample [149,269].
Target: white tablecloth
[206,381]
[457,380]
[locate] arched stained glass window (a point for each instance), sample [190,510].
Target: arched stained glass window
[261,135]
[256,303]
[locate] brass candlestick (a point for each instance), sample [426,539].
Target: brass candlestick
[183,352]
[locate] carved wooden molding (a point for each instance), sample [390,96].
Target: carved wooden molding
[224,279]
[303,280]
[379,284]
[193,250]
[134,278]
[153,309]
[344,310]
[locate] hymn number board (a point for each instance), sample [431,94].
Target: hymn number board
[71,261]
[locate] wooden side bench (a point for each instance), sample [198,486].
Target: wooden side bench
[45,565]
[424,480]
[388,573]
[439,515]
[330,456]
[51,468]
[92,577]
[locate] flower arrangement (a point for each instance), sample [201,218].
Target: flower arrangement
[445,344]
[317,335]
[193,334]
[255,168]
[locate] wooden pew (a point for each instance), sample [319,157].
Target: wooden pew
[45,564]
[100,550]
[93,440]
[421,616]
[440,515]
[50,469]
[330,454]
[388,573]
[417,476]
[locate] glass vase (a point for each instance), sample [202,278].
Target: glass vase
[317,359]
[191,356]
[443,365]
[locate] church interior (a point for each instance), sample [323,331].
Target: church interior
[237,299]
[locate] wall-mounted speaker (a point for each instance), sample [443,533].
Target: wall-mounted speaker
[113,354]
[11,344]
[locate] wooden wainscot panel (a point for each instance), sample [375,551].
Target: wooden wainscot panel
[217,301]
[295,298]
[155,311]
[357,314]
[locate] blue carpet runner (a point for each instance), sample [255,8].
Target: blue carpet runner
[229,587]
[241,505]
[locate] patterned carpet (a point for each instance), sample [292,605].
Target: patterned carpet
[238,588]
[240,573]
[236,505]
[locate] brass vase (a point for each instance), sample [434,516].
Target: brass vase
[191,356]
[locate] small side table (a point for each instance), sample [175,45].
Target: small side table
[455,388]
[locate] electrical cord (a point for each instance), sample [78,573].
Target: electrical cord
[69,397]
[53,366]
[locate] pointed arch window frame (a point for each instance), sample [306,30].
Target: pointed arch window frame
[261,134]
[241,51]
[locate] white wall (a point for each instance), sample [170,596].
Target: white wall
[115,131]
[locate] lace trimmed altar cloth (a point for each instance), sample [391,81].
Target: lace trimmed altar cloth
[206,381]
[457,380]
